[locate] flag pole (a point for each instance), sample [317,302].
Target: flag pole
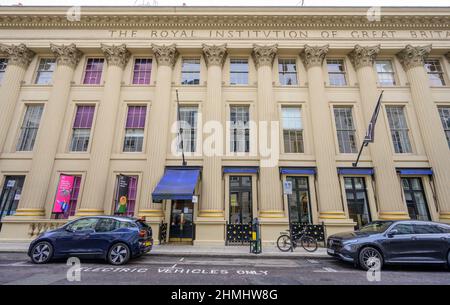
[370,135]
[180,130]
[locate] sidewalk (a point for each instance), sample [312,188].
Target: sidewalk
[206,251]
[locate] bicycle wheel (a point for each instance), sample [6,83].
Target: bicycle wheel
[284,243]
[309,243]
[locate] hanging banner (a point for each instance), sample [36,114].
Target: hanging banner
[122,194]
[63,194]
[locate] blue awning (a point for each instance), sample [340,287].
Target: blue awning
[241,169]
[298,170]
[415,171]
[355,171]
[176,184]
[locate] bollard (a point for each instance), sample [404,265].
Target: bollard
[255,242]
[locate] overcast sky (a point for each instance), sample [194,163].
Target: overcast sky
[235,2]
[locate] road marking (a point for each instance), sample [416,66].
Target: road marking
[181,259]
[19,264]
[328,269]
[39,279]
[174,266]
[312,261]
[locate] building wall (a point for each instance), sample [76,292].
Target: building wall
[143,35]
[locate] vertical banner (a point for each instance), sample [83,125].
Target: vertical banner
[63,194]
[122,194]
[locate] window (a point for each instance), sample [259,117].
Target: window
[45,71]
[444,113]
[130,192]
[106,225]
[74,195]
[427,229]
[142,71]
[287,71]
[81,130]
[10,195]
[298,201]
[188,122]
[240,128]
[83,224]
[29,129]
[345,130]
[292,129]
[3,65]
[404,228]
[415,199]
[399,129]
[93,72]
[435,73]
[238,71]
[190,71]
[134,130]
[336,72]
[385,72]
[241,210]
[358,205]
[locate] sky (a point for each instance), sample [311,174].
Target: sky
[232,2]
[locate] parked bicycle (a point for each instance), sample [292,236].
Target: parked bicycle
[285,244]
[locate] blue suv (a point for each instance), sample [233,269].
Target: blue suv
[116,239]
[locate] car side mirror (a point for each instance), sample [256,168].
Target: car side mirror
[391,233]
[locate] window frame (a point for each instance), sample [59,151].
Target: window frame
[412,191]
[393,73]
[3,63]
[72,129]
[348,131]
[143,129]
[344,72]
[408,129]
[150,77]
[354,191]
[441,73]
[21,126]
[445,129]
[38,71]
[190,72]
[231,72]
[282,73]
[83,77]
[246,130]
[302,129]
[194,140]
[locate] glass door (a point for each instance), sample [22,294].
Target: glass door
[415,199]
[241,205]
[181,221]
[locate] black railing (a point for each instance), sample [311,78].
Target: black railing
[238,234]
[315,230]
[162,233]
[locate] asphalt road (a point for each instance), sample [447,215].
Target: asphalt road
[16,269]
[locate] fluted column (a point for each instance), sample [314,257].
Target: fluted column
[19,58]
[94,188]
[270,199]
[37,182]
[436,147]
[389,190]
[329,196]
[212,198]
[166,57]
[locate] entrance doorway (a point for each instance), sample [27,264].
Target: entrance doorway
[181,221]
[10,196]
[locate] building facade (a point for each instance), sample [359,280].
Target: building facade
[273,105]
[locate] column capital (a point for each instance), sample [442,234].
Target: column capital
[18,55]
[264,55]
[215,54]
[411,56]
[165,55]
[67,55]
[363,56]
[116,55]
[314,56]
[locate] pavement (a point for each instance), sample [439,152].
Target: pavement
[268,251]
[16,269]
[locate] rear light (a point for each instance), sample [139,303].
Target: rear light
[142,233]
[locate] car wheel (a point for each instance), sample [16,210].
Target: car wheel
[370,258]
[42,252]
[119,254]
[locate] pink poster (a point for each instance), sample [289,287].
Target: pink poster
[63,194]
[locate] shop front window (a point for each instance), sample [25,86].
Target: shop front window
[415,199]
[10,195]
[240,200]
[299,201]
[125,195]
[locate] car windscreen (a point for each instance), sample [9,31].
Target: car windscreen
[376,226]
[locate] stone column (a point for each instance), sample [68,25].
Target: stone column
[329,195]
[19,57]
[37,182]
[94,188]
[270,199]
[436,147]
[212,203]
[388,188]
[158,133]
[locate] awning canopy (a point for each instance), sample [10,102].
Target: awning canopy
[298,170]
[177,184]
[355,171]
[241,169]
[415,171]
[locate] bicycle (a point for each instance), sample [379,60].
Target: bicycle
[307,242]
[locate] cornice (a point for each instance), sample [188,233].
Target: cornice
[178,20]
